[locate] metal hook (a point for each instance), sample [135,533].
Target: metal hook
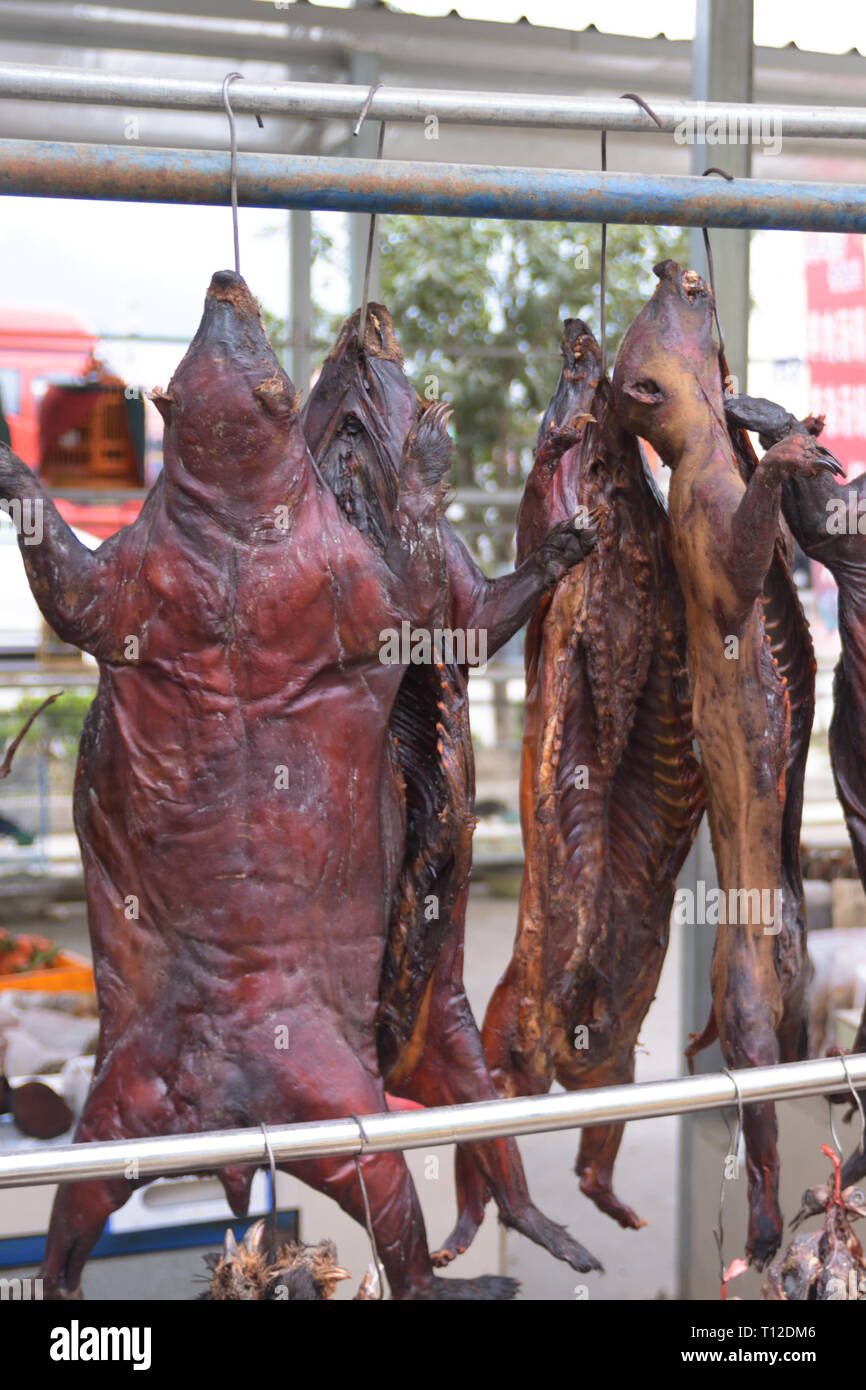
[368,264]
[227,81]
[631,96]
[229,78]
[711,275]
[836,1145]
[626,96]
[858,1102]
[733,1151]
[368,1221]
[366,107]
[273,1171]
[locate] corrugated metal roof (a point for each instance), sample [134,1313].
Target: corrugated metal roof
[834,27]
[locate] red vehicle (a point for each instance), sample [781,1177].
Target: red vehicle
[35,348]
[68,418]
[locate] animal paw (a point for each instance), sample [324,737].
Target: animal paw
[566,545]
[607,1201]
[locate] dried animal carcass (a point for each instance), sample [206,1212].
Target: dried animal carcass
[356,421]
[610,790]
[238,813]
[667,388]
[827,1265]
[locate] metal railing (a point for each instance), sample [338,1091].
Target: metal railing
[342,101]
[191,1153]
[47,169]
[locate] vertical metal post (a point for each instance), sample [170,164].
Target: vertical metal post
[301,299]
[721,71]
[363,70]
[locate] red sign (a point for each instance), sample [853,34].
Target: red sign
[836,343]
[836,358]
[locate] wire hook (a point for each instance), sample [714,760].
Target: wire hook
[711,275]
[229,78]
[626,96]
[233,146]
[273,1171]
[733,1152]
[631,96]
[368,264]
[368,1221]
[365,109]
[858,1102]
[836,1145]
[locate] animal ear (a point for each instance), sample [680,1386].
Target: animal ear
[647,391]
[276,397]
[254,1238]
[163,402]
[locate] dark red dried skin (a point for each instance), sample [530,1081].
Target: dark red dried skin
[222,906]
[808,504]
[607,692]
[428,1042]
[356,420]
[790,641]
[39,1111]
[667,389]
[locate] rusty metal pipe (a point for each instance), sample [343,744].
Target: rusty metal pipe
[47,169]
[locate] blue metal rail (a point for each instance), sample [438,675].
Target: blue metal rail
[47,169]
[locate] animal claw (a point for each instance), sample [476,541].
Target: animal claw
[832,465]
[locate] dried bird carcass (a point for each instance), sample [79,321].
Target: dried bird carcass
[235,802]
[356,422]
[253,1272]
[667,388]
[610,790]
[827,1265]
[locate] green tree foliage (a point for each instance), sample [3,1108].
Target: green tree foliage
[324,324]
[479,304]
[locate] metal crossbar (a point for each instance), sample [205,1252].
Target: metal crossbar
[193,1153]
[121,173]
[342,101]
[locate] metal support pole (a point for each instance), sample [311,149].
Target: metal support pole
[343,101]
[190,1153]
[722,71]
[301,303]
[363,69]
[121,173]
